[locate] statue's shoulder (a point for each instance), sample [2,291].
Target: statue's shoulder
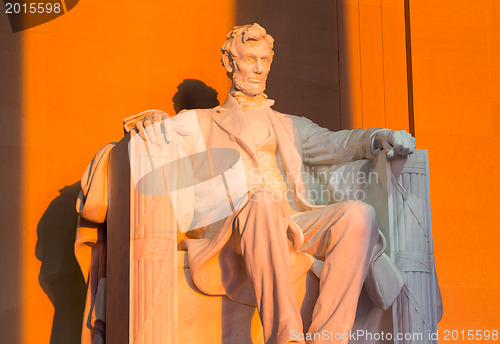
[296,119]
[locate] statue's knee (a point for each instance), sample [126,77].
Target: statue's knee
[362,215]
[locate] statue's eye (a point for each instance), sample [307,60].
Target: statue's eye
[250,59]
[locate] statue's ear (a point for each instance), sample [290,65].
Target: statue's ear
[228,63]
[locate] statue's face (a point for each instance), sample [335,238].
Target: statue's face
[252,66]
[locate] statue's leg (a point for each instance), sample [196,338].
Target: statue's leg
[262,227]
[343,235]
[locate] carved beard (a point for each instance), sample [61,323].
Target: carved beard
[248,88]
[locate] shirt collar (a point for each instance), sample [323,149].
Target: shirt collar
[247,102]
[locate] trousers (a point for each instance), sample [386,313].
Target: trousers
[341,235]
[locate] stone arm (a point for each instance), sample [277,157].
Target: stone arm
[320,146]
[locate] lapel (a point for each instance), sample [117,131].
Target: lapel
[232,119]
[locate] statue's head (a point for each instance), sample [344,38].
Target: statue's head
[247,56]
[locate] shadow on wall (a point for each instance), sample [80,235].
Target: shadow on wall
[304,78]
[60,276]
[194,94]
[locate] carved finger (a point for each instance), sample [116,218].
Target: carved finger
[390,154]
[157,133]
[388,149]
[168,129]
[154,117]
[146,121]
[140,129]
[150,131]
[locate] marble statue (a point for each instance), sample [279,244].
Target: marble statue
[244,253]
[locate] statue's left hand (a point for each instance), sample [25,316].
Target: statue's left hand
[395,142]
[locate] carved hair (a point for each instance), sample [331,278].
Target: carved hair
[253,32]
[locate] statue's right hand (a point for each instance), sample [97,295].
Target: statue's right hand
[154,124]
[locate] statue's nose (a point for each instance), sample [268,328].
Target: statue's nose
[258,67]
